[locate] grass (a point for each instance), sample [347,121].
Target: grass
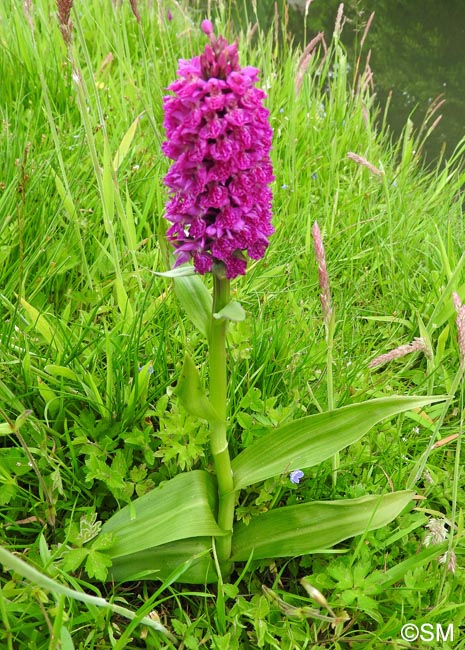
[85,430]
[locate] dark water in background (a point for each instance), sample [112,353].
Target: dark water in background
[417,53]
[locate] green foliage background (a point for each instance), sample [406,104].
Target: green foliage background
[91,342]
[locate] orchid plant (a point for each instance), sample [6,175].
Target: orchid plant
[219,208]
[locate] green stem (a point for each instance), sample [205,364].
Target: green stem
[8,635]
[329,366]
[218,399]
[330,383]
[55,641]
[14,563]
[455,493]
[58,151]
[419,467]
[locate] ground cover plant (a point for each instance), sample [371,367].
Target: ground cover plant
[93,342]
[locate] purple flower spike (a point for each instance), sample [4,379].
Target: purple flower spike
[219,137]
[295,476]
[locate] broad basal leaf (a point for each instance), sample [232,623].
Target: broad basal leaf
[180,508]
[313,439]
[186,560]
[309,527]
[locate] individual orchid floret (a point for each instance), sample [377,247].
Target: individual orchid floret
[219,137]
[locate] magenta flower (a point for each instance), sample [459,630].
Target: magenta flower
[219,136]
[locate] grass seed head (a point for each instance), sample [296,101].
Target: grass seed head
[417,345]
[437,532]
[323,277]
[460,322]
[450,559]
[28,9]
[135,9]
[360,160]
[64,19]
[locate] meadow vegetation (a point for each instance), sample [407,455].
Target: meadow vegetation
[92,341]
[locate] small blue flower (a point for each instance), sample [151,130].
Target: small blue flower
[296,475]
[150,369]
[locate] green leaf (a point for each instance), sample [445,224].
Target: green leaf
[41,325]
[190,392]
[114,477]
[124,304]
[186,560]
[313,439]
[180,508]
[97,565]
[66,640]
[125,144]
[128,223]
[309,527]
[74,558]
[49,396]
[232,311]
[13,563]
[195,300]
[398,571]
[441,346]
[89,527]
[67,200]
[444,306]
[178,272]
[103,542]
[139,391]
[61,371]
[7,492]
[108,193]
[6,429]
